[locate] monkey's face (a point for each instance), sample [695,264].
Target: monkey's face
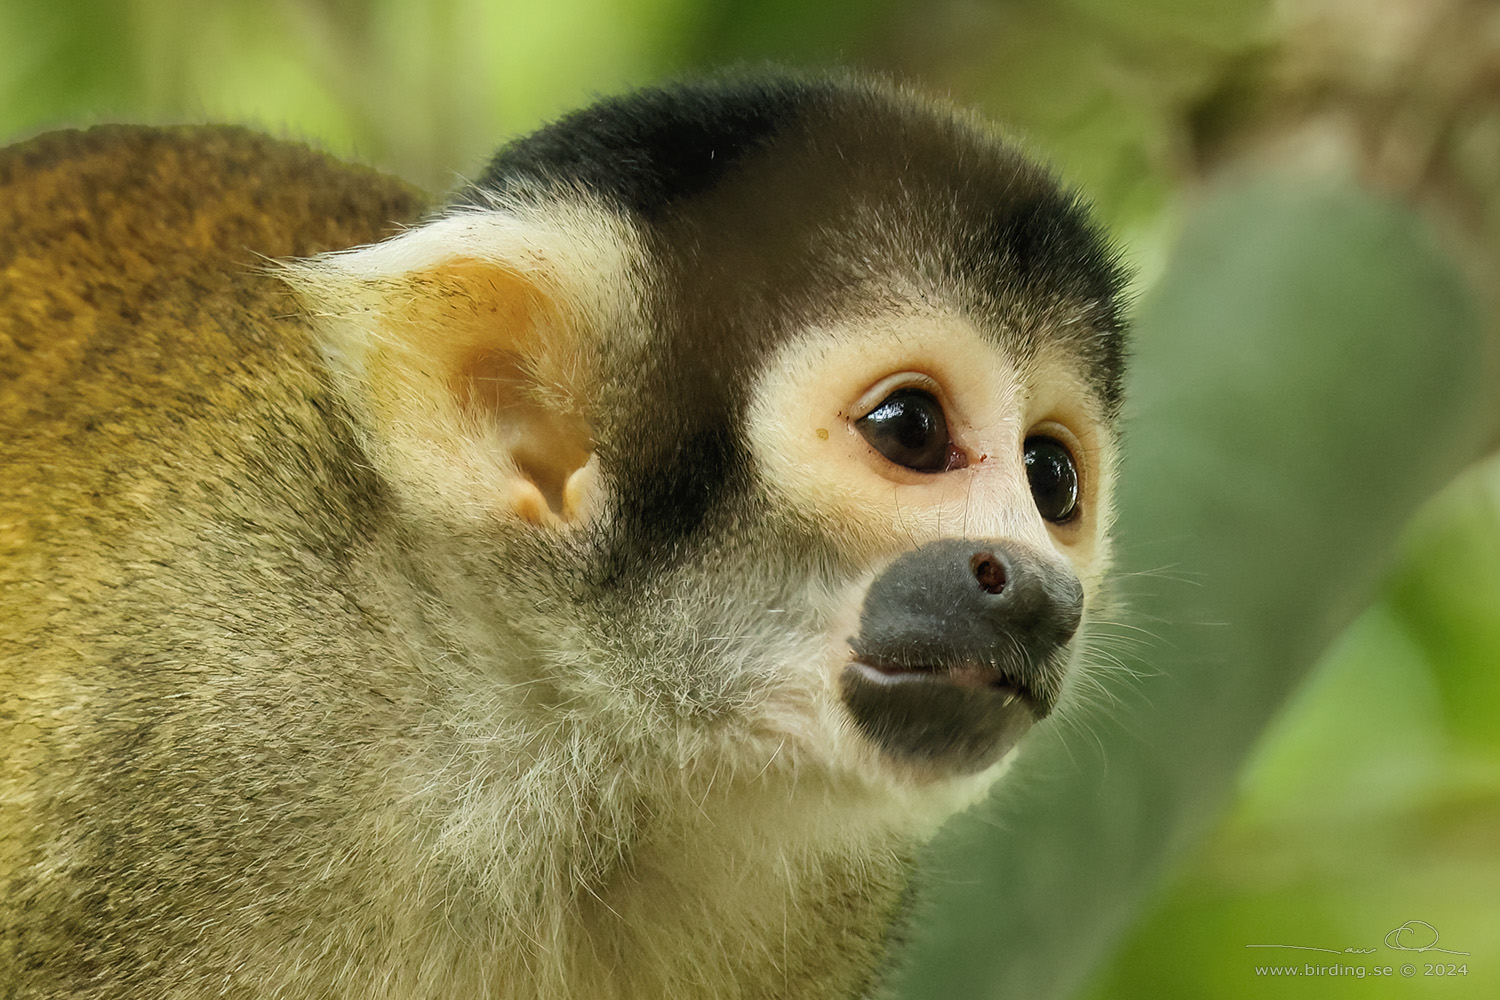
[972,485]
[804,457]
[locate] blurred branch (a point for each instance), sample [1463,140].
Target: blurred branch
[1402,94]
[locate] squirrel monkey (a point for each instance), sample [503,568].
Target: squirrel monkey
[596,589]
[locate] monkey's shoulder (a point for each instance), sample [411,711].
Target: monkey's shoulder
[123,247]
[150,358]
[201,192]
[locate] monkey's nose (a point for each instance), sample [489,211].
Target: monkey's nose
[961,646]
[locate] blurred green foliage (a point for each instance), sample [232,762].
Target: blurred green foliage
[429,88]
[1305,377]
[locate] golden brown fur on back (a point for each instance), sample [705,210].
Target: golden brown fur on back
[173,495]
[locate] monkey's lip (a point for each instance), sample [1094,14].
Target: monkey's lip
[956,718]
[967,675]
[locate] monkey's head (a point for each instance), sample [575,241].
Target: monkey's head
[749,426]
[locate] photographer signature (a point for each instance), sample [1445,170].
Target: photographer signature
[1414,935]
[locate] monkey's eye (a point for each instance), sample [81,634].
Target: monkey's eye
[1053,477]
[908,427]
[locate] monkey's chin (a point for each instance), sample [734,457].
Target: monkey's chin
[956,720]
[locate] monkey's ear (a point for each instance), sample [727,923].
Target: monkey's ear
[465,349]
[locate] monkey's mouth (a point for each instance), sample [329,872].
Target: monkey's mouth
[968,674]
[961,717]
[962,646]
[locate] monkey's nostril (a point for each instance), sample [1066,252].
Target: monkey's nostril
[989,571]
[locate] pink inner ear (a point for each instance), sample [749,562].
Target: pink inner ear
[492,330]
[469,374]
[547,442]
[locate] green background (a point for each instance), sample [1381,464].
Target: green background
[1290,735]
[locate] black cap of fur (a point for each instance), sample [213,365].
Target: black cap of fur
[657,151]
[652,148]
